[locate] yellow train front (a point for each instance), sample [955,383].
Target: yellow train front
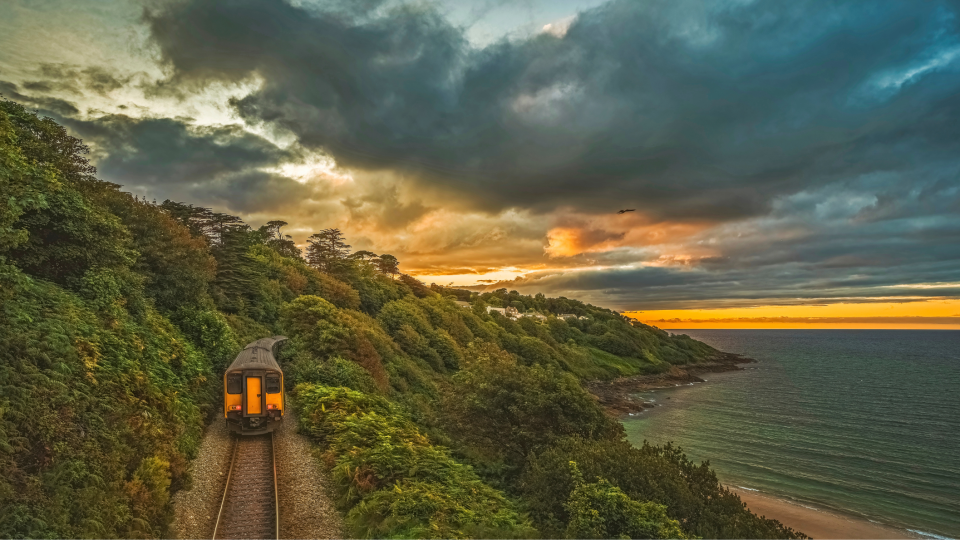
[253,398]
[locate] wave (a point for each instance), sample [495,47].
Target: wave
[930,535]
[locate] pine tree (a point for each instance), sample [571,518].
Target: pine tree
[327,250]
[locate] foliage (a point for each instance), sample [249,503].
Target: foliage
[602,510]
[506,410]
[391,480]
[335,371]
[691,493]
[177,267]
[101,413]
[117,317]
[327,251]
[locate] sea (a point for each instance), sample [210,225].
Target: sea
[858,422]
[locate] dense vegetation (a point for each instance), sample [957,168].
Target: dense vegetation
[119,315]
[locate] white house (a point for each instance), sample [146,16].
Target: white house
[510,312]
[465,305]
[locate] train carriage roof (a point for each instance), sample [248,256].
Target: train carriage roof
[258,355]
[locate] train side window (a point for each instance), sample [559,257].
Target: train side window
[273,384]
[234,383]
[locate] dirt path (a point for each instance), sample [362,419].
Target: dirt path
[306,510]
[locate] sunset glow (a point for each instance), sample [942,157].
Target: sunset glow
[943,314]
[533,148]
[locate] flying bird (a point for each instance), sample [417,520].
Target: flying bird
[625,211]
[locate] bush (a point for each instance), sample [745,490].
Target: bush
[602,510]
[505,411]
[391,480]
[332,372]
[691,493]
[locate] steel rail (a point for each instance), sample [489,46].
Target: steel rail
[226,489]
[238,507]
[276,492]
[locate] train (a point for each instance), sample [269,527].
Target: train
[253,395]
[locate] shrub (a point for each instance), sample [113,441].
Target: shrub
[662,474]
[334,371]
[505,410]
[391,480]
[602,510]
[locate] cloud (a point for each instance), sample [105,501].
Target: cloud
[219,165]
[75,79]
[681,109]
[57,106]
[781,153]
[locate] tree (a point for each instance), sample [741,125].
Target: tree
[61,233]
[389,265]
[506,410]
[279,242]
[364,255]
[602,510]
[327,250]
[662,474]
[273,227]
[197,219]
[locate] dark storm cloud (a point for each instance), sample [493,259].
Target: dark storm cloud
[53,105]
[682,109]
[166,157]
[829,262]
[653,288]
[75,80]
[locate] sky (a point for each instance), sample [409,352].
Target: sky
[787,164]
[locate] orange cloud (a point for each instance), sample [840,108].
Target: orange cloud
[568,241]
[577,234]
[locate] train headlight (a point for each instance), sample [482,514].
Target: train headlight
[234,407]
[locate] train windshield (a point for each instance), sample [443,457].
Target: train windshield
[273,384]
[234,383]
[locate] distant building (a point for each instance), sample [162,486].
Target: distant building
[465,305]
[566,316]
[584,318]
[535,316]
[510,312]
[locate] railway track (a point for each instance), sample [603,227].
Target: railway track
[250,508]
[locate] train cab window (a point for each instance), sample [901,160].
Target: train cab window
[273,384]
[234,383]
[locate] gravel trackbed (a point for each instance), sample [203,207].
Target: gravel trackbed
[306,510]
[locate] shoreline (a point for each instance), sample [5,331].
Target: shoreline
[814,522]
[617,397]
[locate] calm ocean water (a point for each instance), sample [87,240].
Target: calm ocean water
[864,422]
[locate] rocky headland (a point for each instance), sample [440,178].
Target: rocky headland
[617,397]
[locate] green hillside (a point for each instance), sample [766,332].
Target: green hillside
[436,420]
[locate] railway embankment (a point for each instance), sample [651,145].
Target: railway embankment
[306,509]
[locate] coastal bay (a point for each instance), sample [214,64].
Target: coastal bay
[856,424]
[817,523]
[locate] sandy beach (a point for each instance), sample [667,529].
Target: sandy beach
[816,523]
